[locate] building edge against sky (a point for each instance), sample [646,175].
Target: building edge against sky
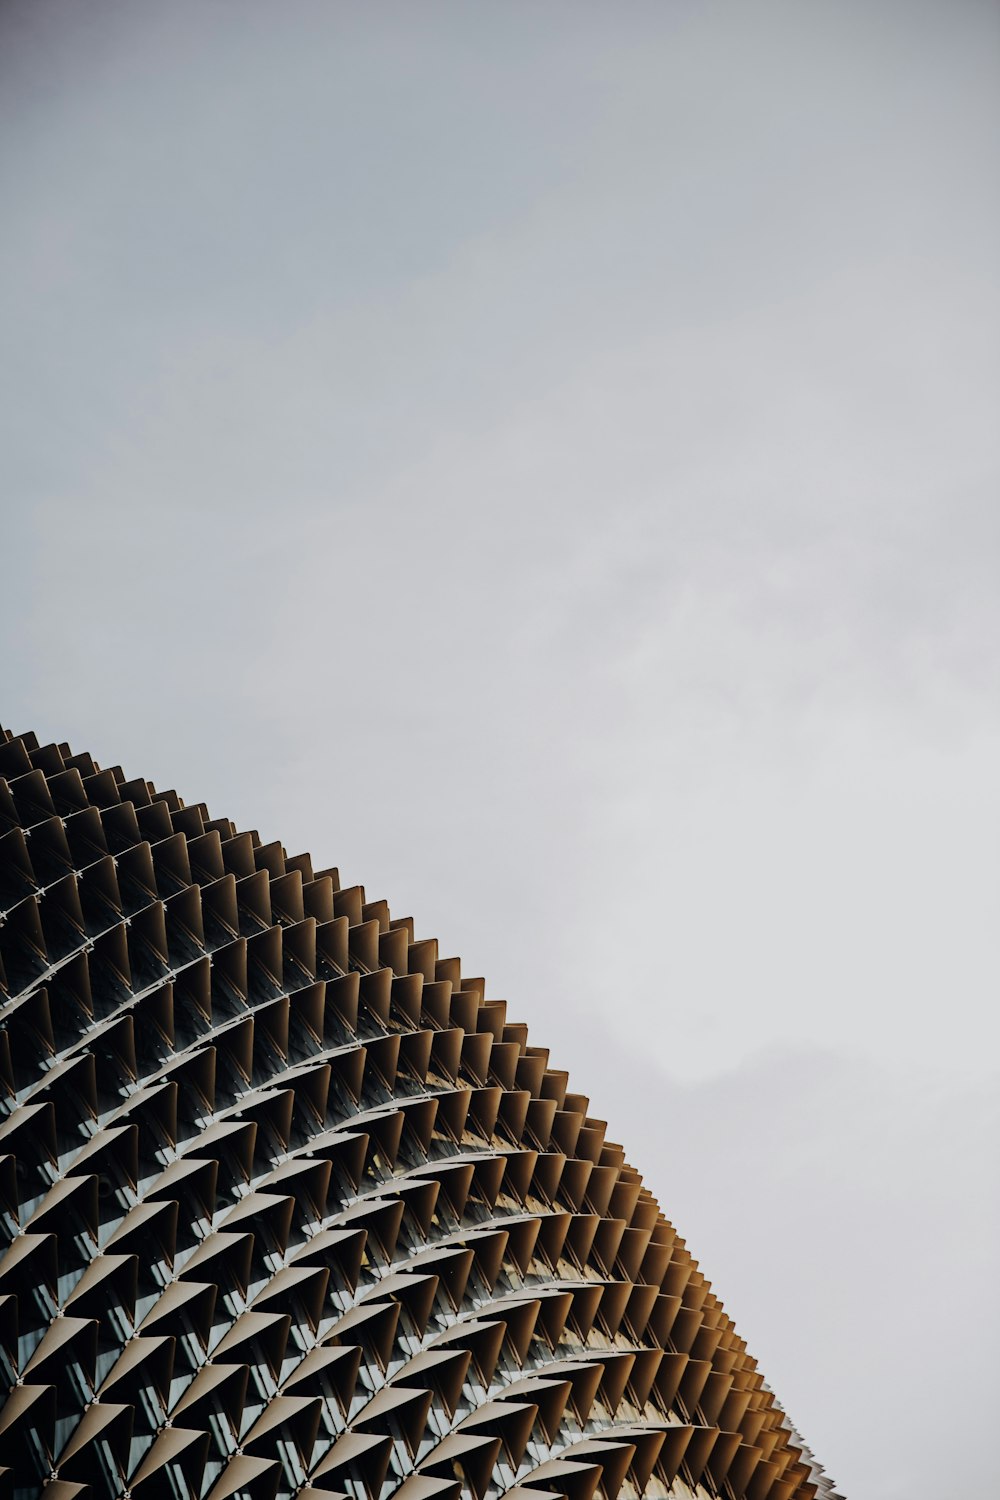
[289,1206]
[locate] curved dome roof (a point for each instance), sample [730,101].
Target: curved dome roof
[288,1206]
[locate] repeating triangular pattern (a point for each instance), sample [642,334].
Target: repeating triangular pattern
[290,1207]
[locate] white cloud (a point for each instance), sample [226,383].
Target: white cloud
[551,469]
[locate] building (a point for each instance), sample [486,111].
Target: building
[290,1207]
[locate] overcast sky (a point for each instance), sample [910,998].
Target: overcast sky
[543,458]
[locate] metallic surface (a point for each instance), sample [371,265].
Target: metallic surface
[288,1206]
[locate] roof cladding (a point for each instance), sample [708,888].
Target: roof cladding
[289,1207]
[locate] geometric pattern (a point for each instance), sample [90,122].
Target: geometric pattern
[289,1207]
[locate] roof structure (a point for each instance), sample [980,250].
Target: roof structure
[288,1206]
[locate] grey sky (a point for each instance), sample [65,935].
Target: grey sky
[543,458]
